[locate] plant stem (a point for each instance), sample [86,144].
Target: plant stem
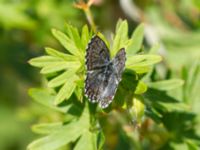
[90,19]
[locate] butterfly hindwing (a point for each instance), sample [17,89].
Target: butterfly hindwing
[119,63]
[116,68]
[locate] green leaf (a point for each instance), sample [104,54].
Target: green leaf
[62,78]
[61,137]
[121,37]
[137,110]
[74,36]
[104,39]
[136,40]
[154,49]
[43,97]
[66,42]
[142,63]
[56,53]
[64,135]
[46,128]
[166,84]
[85,36]
[100,140]
[61,65]
[44,60]
[141,88]
[170,107]
[87,142]
[67,89]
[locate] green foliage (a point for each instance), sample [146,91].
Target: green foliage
[85,124]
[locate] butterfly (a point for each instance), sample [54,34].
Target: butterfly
[102,74]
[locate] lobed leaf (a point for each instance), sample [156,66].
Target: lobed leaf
[44,60]
[85,36]
[62,78]
[61,65]
[56,53]
[121,37]
[142,63]
[141,88]
[43,97]
[74,36]
[136,40]
[67,89]
[46,128]
[61,137]
[89,140]
[64,135]
[66,42]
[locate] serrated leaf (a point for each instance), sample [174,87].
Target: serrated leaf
[62,78]
[67,89]
[66,42]
[121,37]
[58,66]
[56,53]
[44,60]
[136,40]
[46,128]
[166,84]
[43,97]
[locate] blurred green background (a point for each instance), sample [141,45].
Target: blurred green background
[25,29]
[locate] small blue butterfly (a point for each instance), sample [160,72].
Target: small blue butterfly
[103,75]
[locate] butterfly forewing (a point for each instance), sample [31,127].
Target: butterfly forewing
[103,75]
[97,54]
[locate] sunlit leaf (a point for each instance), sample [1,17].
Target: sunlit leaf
[85,36]
[62,78]
[136,40]
[66,90]
[43,97]
[61,65]
[154,49]
[121,37]
[141,88]
[142,63]
[64,135]
[87,141]
[44,60]
[46,128]
[55,53]
[66,42]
